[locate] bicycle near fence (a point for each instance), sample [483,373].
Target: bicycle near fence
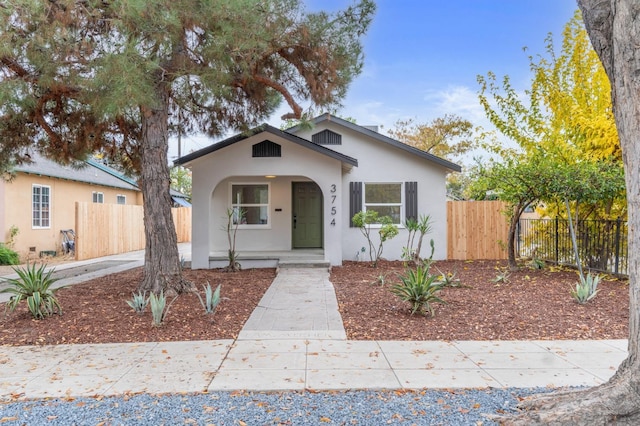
[602,244]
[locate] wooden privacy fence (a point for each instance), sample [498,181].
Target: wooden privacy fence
[476,230]
[106,229]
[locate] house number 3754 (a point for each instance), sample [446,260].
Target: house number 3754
[334,209]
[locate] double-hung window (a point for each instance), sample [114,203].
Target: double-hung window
[121,199]
[250,203]
[384,198]
[98,197]
[41,206]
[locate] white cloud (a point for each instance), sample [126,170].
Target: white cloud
[459,100]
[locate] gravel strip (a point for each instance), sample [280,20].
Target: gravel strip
[428,407]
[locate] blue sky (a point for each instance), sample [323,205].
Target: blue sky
[422,57]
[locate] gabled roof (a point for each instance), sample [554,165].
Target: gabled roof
[112,172]
[130,180]
[380,138]
[91,173]
[269,129]
[94,172]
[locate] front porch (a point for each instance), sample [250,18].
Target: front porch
[272,258]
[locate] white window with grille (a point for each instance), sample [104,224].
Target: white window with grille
[41,206]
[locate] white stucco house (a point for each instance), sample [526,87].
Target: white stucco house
[300,188]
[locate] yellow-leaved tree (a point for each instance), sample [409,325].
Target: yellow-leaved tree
[614,30]
[566,115]
[563,123]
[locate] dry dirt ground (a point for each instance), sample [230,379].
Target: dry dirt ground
[531,304]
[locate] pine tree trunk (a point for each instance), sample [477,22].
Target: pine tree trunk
[615,34]
[162,270]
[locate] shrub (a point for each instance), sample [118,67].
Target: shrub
[420,289]
[414,227]
[138,302]
[363,220]
[586,289]
[8,256]
[33,286]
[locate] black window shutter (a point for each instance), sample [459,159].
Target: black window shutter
[411,200]
[355,200]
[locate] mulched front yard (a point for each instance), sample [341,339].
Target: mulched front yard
[533,304]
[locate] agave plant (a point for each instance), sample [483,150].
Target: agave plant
[138,302]
[159,307]
[211,300]
[158,303]
[449,279]
[419,288]
[586,289]
[33,285]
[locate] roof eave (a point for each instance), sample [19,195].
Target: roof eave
[382,138]
[270,129]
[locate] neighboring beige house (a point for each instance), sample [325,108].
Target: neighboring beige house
[40,200]
[300,188]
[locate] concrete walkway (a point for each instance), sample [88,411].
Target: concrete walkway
[300,303]
[295,340]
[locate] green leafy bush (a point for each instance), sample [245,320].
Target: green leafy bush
[8,256]
[420,289]
[33,286]
[586,289]
[138,302]
[386,231]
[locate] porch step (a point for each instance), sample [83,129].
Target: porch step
[285,264]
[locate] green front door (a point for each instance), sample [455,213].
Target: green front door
[307,215]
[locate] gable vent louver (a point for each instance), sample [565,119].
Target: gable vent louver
[267,149]
[327,137]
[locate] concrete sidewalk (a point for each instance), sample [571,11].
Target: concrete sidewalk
[292,364]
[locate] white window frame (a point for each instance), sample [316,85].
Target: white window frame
[40,210]
[97,197]
[121,197]
[235,206]
[400,204]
